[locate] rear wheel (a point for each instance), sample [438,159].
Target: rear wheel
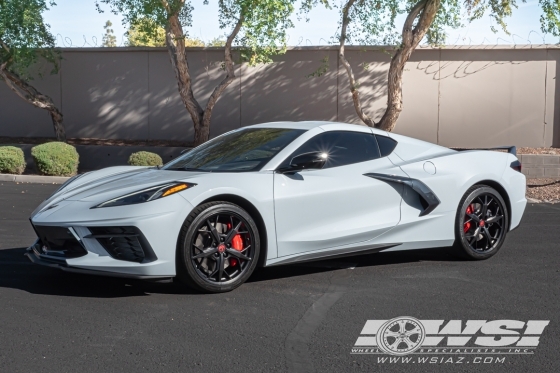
[481,223]
[218,247]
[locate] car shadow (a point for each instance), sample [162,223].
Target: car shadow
[17,272]
[369,260]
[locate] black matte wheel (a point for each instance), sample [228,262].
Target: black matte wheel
[218,247]
[481,223]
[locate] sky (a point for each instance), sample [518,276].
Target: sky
[77,23]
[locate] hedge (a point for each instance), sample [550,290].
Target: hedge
[144,159]
[12,160]
[56,159]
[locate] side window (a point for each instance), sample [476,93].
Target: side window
[343,147]
[386,145]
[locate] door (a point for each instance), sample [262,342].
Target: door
[336,205]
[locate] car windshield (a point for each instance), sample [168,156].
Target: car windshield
[239,151]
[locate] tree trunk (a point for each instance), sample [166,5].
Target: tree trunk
[411,37]
[175,41]
[353,86]
[230,76]
[35,98]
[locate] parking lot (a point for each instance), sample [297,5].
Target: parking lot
[297,318]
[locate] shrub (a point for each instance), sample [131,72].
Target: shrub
[56,159]
[12,160]
[144,159]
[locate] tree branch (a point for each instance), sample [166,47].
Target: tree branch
[352,80]
[166,6]
[230,72]
[29,94]
[5,46]
[175,41]
[412,36]
[407,33]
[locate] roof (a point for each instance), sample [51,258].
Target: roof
[307,125]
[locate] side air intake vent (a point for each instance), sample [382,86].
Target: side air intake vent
[428,199]
[124,243]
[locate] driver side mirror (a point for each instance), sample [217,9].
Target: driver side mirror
[307,161]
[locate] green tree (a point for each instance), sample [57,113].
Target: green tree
[136,37]
[109,38]
[371,22]
[258,27]
[217,42]
[25,39]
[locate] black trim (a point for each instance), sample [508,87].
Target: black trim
[430,200]
[338,253]
[124,243]
[110,235]
[512,149]
[39,259]
[59,242]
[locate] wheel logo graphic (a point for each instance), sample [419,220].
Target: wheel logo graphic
[401,336]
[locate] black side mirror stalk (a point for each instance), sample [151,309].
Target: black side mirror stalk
[306,161]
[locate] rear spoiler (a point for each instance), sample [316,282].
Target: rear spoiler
[510,149]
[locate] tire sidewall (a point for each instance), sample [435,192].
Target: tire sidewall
[460,234]
[186,252]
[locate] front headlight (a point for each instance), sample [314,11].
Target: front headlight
[147,195]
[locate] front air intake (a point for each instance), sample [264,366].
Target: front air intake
[124,243]
[59,242]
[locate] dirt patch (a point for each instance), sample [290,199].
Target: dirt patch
[544,190]
[91,141]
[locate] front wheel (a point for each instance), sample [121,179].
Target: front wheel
[218,247]
[481,223]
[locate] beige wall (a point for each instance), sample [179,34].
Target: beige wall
[455,96]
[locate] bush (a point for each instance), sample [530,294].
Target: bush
[56,159]
[144,159]
[12,160]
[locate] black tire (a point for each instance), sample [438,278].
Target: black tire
[202,260]
[481,223]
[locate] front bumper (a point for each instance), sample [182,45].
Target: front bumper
[155,224]
[34,255]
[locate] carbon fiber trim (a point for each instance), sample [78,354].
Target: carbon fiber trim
[426,194]
[336,253]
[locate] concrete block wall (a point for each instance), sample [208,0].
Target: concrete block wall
[460,96]
[540,165]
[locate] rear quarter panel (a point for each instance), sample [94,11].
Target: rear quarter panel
[457,172]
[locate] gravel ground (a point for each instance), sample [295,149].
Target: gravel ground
[544,190]
[538,150]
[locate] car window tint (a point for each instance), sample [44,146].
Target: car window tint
[386,145]
[243,150]
[343,147]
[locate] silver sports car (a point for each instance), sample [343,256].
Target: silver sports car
[279,193]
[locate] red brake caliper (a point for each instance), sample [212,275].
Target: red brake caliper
[237,244]
[467,225]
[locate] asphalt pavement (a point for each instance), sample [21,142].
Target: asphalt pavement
[298,318]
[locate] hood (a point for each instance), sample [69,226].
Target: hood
[100,186]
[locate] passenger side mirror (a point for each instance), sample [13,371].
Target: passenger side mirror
[307,161]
